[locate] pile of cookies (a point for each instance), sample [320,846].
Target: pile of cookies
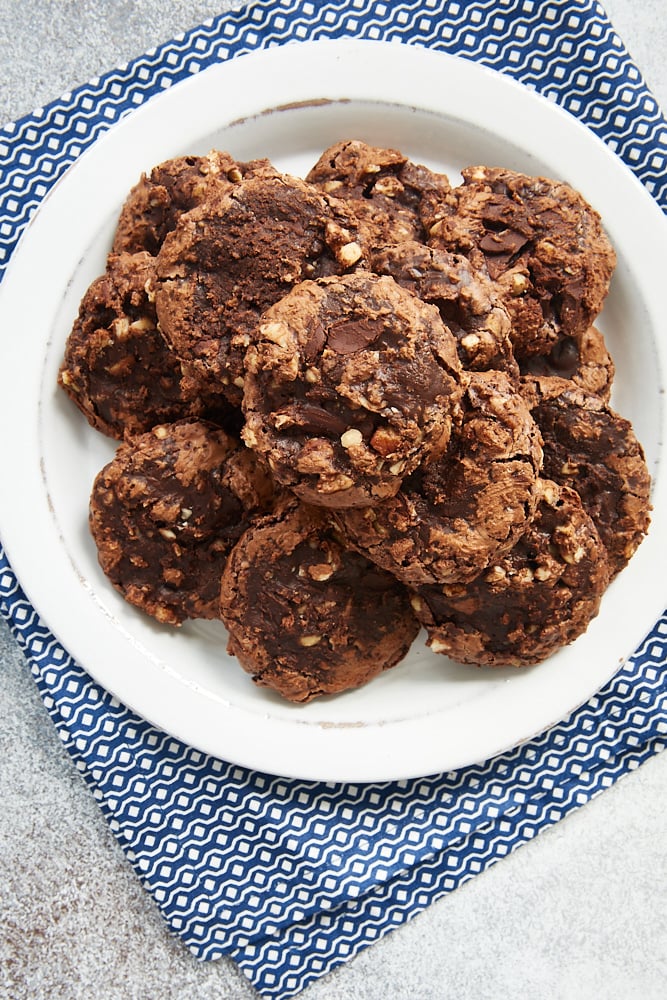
[355,405]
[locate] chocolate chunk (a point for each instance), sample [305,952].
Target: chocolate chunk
[348,336]
[507,243]
[564,357]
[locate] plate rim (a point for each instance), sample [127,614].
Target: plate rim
[342,53]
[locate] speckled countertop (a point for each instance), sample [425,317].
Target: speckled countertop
[580,912]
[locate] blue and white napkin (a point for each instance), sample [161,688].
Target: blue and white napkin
[292,878]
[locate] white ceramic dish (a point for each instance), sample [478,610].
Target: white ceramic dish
[290,103]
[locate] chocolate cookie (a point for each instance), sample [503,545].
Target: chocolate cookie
[165,512]
[306,616]
[589,447]
[382,188]
[536,598]
[543,244]
[351,383]
[228,260]
[156,202]
[452,517]
[117,367]
[464,295]
[583,359]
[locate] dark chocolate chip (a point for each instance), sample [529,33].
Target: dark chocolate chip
[350,335]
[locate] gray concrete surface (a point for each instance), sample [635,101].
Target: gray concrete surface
[581,912]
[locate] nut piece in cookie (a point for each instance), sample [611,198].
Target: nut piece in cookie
[306,616]
[382,188]
[465,296]
[157,200]
[451,518]
[589,447]
[117,367]
[539,596]
[543,244]
[165,512]
[228,260]
[351,383]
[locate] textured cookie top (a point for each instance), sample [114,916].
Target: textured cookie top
[591,448]
[228,260]
[383,189]
[539,596]
[543,244]
[165,512]
[117,367]
[351,383]
[306,615]
[158,199]
[464,295]
[584,359]
[457,513]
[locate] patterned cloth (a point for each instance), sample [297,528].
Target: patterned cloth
[291,878]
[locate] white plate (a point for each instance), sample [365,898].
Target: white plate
[290,103]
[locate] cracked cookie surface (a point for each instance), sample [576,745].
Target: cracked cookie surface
[463,294]
[381,187]
[583,359]
[159,198]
